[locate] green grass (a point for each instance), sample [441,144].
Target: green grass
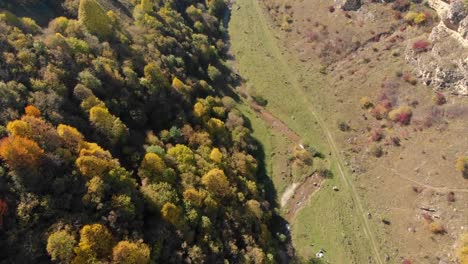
[329,220]
[275,147]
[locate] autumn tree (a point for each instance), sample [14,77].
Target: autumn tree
[108,124]
[156,195]
[184,157]
[216,182]
[216,155]
[94,18]
[193,196]
[71,137]
[152,167]
[96,242]
[154,77]
[31,110]
[171,213]
[60,246]
[20,153]
[126,252]
[95,161]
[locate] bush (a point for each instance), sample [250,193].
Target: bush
[462,252]
[401,5]
[365,102]
[401,115]
[437,228]
[421,46]
[439,98]
[259,100]
[376,150]
[462,165]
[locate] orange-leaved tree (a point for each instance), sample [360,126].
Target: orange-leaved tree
[20,153]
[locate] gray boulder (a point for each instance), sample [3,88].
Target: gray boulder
[457,12]
[349,5]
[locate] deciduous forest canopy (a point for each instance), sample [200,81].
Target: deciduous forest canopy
[118,140]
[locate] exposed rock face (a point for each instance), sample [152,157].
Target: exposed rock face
[463,28]
[457,12]
[349,5]
[445,66]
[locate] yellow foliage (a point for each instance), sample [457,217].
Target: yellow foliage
[216,182]
[216,155]
[402,114]
[147,5]
[199,109]
[31,110]
[94,160]
[126,252]
[462,252]
[95,241]
[19,128]
[60,246]
[193,196]
[151,166]
[365,102]
[179,85]
[71,136]
[215,125]
[253,206]
[171,213]
[94,18]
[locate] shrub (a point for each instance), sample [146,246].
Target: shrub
[376,150]
[259,100]
[365,102]
[420,46]
[343,126]
[437,228]
[376,134]
[439,98]
[462,252]
[401,5]
[381,110]
[401,115]
[462,165]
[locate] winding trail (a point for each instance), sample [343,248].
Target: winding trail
[292,78]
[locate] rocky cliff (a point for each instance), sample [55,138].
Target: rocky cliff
[445,64]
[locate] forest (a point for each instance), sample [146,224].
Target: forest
[121,141]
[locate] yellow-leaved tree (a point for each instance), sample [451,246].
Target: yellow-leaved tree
[96,243]
[126,252]
[94,18]
[216,182]
[151,167]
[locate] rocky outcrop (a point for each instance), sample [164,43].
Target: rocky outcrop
[445,65]
[349,5]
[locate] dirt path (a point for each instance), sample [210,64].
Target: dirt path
[299,194]
[427,186]
[284,66]
[275,123]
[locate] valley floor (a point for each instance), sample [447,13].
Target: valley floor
[346,223]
